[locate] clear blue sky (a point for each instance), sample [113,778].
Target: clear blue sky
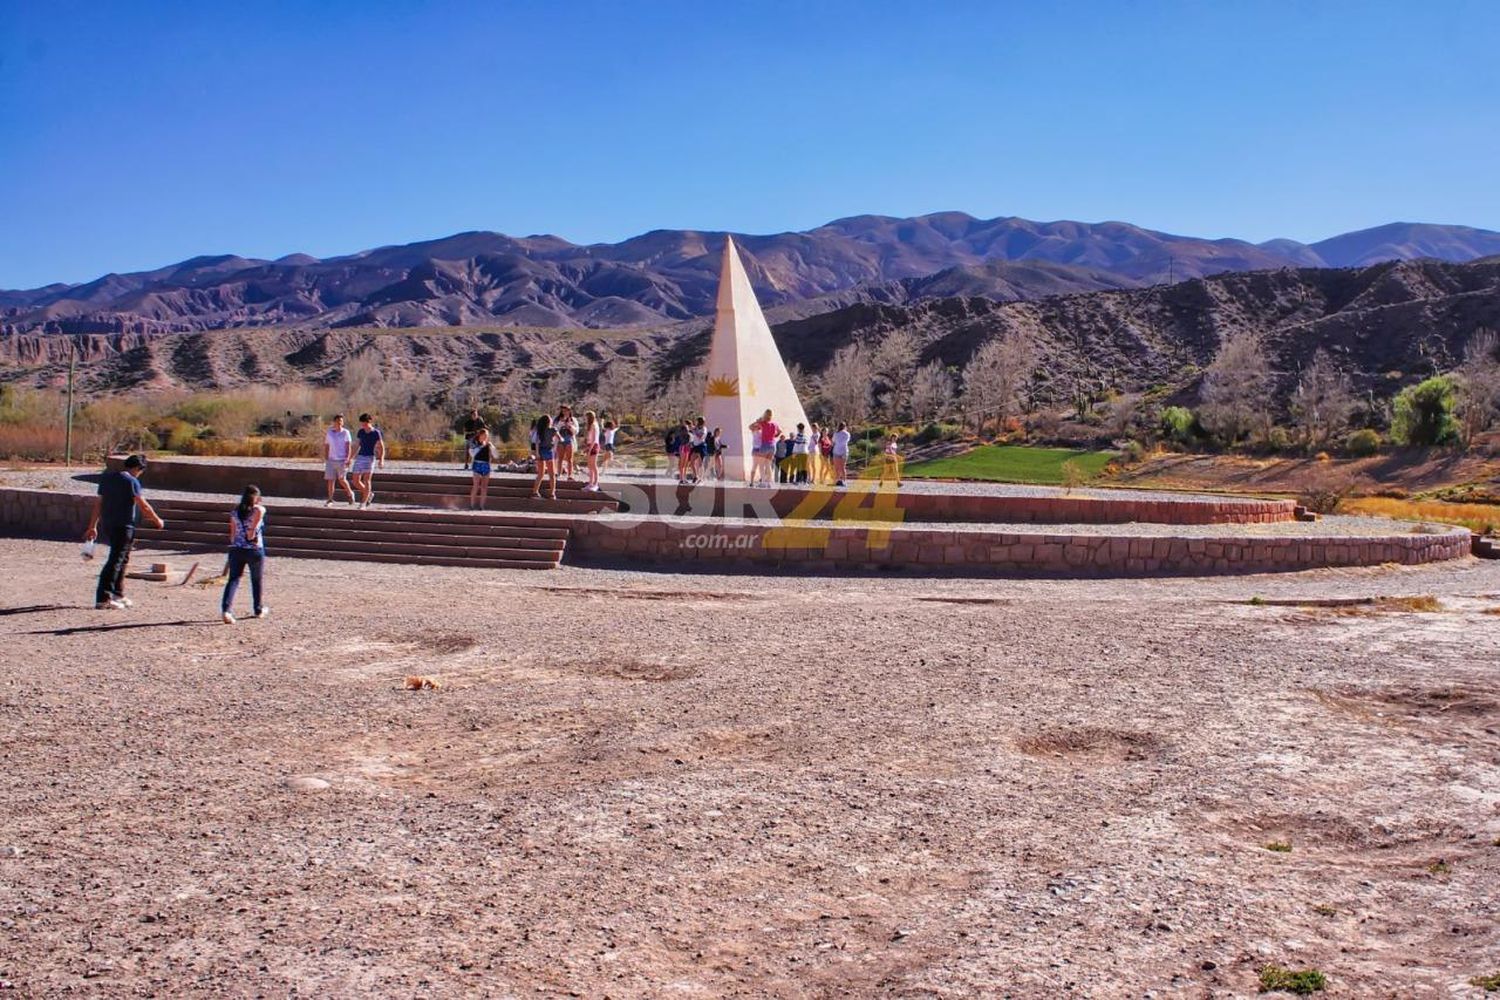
[133,135]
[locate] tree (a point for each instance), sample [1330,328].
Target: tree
[1236,389]
[1323,401]
[1478,386]
[996,377]
[1423,413]
[625,389]
[931,393]
[846,383]
[682,397]
[895,362]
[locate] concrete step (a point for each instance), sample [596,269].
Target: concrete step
[287,519]
[1485,547]
[393,546]
[280,535]
[446,559]
[412,520]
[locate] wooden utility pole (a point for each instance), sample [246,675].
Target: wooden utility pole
[68,434]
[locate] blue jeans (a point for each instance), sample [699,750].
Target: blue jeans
[239,559]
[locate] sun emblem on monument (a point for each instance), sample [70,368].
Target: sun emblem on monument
[723,385]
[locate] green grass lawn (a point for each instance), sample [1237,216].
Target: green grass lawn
[1004,463]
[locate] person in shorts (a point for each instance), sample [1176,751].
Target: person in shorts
[544,445]
[482,458]
[566,426]
[698,440]
[591,448]
[338,452]
[764,433]
[607,444]
[116,512]
[371,451]
[839,453]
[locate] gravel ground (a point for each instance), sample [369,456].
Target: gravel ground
[647,785]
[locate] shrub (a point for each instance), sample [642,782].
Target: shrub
[1177,423]
[1423,413]
[1362,443]
[1324,499]
[174,434]
[1301,982]
[936,432]
[1277,439]
[1133,452]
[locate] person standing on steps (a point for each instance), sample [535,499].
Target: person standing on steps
[763,469]
[544,441]
[472,427]
[566,426]
[116,512]
[338,452]
[839,452]
[482,455]
[591,448]
[247,550]
[371,451]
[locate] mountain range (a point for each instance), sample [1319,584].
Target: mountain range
[1387,324]
[666,277]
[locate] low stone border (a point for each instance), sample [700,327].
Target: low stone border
[811,547]
[803,547]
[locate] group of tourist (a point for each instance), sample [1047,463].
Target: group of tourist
[814,455]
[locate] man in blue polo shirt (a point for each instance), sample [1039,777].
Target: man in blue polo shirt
[116,510]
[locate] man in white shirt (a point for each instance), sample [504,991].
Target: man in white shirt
[799,455]
[338,452]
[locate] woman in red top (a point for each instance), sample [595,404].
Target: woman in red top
[765,431]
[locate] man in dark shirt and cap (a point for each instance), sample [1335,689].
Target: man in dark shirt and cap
[116,511]
[472,426]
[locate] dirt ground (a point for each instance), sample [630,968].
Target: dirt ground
[658,785]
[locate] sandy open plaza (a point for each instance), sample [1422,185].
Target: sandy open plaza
[654,784]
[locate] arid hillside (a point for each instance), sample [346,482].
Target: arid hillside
[1388,324]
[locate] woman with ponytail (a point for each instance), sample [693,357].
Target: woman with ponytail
[247,549]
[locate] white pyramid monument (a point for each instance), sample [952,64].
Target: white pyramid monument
[746,375]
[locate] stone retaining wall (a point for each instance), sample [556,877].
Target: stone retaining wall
[44,514]
[813,548]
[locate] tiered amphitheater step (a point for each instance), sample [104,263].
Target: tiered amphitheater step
[340,532]
[1486,547]
[507,493]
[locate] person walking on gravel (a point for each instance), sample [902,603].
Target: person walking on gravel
[116,512]
[338,451]
[371,451]
[247,550]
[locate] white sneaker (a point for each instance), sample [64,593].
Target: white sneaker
[327,503]
[228,618]
[263,613]
[127,602]
[110,605]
